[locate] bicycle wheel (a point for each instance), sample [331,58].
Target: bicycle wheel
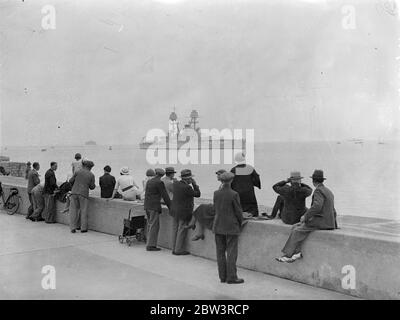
[12,205]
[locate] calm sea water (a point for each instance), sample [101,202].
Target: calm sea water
[365,177]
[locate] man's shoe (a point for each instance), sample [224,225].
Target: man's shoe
[83,231]
[297,256]
[183,253]
[153,249]
[223,280]
[235,281]
[73,231]
[284,259]
[39,219]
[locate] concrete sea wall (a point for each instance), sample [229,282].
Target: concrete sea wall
[359,263]
[16,169]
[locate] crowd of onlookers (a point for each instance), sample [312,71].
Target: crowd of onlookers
[234,203]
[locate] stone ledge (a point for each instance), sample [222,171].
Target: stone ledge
[374,254]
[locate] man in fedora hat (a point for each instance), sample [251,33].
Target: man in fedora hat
[155,190]
[320,216]
[169,180]
[226,227]
[182,205]
[292,197]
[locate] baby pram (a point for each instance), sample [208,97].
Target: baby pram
[134,228]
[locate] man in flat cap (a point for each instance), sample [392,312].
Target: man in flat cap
[227,227]
[320,216]
[155,190]
[293,198]
[184,190]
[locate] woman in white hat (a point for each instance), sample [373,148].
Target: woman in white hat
[126,185]
[246,178]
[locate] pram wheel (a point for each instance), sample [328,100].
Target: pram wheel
[121,239]
[128,242]
[140,235]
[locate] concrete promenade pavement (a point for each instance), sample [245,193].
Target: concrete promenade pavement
[96,266]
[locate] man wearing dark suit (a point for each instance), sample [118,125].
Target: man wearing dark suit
[155,190]
[184,192]
[320,216]
[33,181]
[50,185]
[227,225]
[294,198]
[107,183]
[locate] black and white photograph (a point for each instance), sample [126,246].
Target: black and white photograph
[183,152]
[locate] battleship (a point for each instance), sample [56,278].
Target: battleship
[191,135]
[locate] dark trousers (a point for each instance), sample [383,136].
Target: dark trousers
[30,209]
[49,212]
[179,234]
[153,227]
[278,207]
[227,253]
[297,236]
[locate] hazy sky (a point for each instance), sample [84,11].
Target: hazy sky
[111,70]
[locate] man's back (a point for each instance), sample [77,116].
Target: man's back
[183,199]
[155,190]
[33,180]
[76,166]
[322,213]
[107,184]
[294,200]
[228,212]
[82,181]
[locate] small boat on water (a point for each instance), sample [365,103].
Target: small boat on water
[43,150]
[110,148]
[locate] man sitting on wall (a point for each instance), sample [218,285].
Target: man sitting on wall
[293,197]
[321,216]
